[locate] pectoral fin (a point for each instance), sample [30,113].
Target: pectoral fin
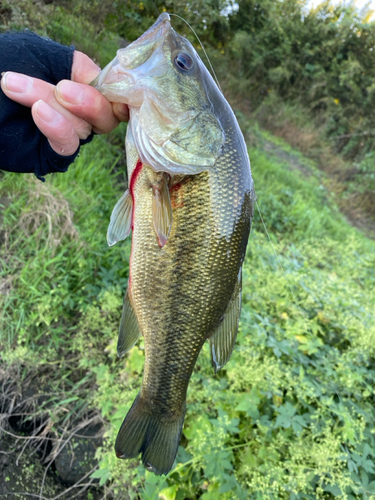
[223,339]
[162,210]
[120,224]
[130,330]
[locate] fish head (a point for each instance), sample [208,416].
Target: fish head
[162,79]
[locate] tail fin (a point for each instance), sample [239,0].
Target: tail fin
[146,432]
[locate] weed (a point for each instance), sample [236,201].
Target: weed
[290,416]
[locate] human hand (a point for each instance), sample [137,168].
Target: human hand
[69,111]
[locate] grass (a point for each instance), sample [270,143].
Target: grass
[290,416]
[351,181]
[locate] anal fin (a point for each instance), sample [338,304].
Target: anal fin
[120,224]
[130,330]
[162,210]
[223,339]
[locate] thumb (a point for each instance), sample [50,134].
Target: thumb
[84,70]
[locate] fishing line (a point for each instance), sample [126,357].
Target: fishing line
[264,225]
[205,53]
[260,214]
[276,254]
[306,326]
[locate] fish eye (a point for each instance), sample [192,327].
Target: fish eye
[184,61]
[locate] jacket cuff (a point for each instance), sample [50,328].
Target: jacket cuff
[51,162]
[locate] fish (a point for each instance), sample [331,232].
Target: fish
[189,207]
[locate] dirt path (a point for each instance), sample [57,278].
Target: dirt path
[351,205]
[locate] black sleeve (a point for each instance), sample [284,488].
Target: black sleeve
[23,148]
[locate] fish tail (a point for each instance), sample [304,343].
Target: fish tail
[155,436]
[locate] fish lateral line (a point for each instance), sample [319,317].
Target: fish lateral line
[170,181]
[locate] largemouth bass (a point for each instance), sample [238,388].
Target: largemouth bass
[189,204]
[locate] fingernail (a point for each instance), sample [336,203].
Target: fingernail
[15,82]
[70,92]
[45,112]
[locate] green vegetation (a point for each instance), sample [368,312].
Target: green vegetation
[306,76]
[291,416]
[323,60]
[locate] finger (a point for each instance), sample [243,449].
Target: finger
[88,103]
[121,111]
[27,91]
[84,70]
[59,130]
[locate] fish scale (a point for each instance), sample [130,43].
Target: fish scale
[178,310]
[190,205]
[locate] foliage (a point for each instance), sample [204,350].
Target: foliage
[323,58]
[290,416]
[42,245]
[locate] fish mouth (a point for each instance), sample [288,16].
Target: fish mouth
[127,67]
[160,27]
[108,75]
